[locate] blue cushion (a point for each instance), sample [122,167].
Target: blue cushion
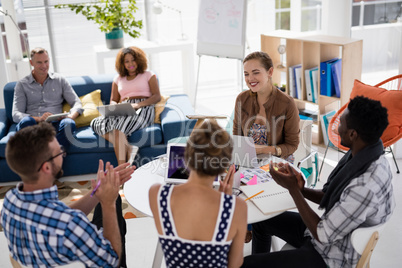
[4,140]
[3,123]
[85,84]
[6,173]
[77,164]
[173,118]
[86,141]
[8,94]
[148,136]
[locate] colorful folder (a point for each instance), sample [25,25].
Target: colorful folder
[327,88]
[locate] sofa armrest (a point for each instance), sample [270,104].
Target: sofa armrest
[4,123]
[173,118]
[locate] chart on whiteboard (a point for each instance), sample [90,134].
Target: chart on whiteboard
[221,21]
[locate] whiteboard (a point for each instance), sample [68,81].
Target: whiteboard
[221,28]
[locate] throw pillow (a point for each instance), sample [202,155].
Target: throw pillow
[390,99]
[89,103]
[159,107]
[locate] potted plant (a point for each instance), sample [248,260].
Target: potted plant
[112,18]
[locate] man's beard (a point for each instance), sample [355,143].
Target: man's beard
[57,175]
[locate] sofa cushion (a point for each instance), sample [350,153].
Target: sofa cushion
[8,94]
[86,141]
[85,84]
[89,103]
[173,118]
[4,140]
[145,137]
[3,123]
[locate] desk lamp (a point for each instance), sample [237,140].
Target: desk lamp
[157,8]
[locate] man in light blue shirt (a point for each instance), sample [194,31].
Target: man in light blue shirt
[41,94]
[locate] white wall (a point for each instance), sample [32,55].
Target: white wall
[381,46]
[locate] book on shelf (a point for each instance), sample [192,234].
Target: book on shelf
[274,199]
[325,119]
[336,69]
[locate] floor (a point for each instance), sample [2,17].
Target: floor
[141,235]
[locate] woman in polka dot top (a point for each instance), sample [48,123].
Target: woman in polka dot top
[197,225]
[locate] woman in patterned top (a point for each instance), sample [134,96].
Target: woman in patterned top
[264,112]
[135,85]
[197,225]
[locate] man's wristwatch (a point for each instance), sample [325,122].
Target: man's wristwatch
[278,151]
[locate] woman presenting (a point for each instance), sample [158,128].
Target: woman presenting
[135,85]
[264,112]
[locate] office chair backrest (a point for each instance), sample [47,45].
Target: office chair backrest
[390,99]
[364,240]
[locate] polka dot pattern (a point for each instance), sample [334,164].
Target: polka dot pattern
[181,252]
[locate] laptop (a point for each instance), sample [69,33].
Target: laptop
[244,154]
[176,171]
[121,109]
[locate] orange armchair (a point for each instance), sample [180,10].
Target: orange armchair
[389,93]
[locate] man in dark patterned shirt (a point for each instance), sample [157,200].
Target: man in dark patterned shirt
[358,193]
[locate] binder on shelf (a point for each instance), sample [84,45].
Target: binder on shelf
[325,119]
[274,199]
[336,69]
[309,84]
[297,70]
[292,86]
[314,83]
[326,82]
[292,81]
[307,80]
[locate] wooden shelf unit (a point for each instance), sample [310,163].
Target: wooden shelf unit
[310,51]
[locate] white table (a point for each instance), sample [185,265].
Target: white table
[187,58]
[137,188]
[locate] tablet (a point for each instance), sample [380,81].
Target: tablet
[177,171]
[56,117]
[121,109]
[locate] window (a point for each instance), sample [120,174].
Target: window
[306,15]
[371,12]
[20,21]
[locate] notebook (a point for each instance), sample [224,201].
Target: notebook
[121,109]
[176,171]
[274,199]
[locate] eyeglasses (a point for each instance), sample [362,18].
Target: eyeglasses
[63,152]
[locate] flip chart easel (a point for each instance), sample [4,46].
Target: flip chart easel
[221,31]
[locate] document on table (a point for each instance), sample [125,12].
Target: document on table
[274,199]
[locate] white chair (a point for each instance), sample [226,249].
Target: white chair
[305,157]
[364,240]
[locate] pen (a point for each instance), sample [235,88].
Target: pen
[254,195]
[97,186]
